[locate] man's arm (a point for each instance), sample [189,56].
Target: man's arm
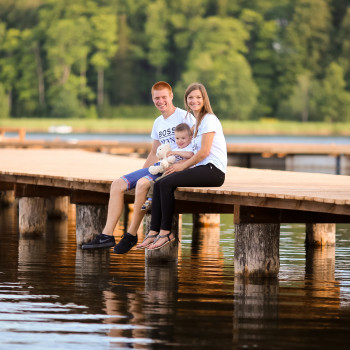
[152,157]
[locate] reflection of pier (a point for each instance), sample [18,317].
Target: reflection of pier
[269,311]
[260,199]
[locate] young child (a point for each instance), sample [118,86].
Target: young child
[183,138]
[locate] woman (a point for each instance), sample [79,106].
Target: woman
[205,169]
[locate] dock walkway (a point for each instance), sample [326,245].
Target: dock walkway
[257,197]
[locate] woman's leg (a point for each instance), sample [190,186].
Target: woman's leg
[201,176]
[156,207]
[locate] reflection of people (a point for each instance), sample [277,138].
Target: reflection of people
[210,162]
[162,132]
[183,137]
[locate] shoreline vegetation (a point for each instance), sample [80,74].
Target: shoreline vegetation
[144,125]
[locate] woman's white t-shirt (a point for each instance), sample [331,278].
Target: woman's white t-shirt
[164,129]
[218,150]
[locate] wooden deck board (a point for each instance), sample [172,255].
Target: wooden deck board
[79,169]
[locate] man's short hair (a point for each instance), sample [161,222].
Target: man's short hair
[161,85]
[183,127]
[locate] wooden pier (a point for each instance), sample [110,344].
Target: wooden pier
[324,158]
[260,199]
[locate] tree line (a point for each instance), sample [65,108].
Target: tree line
[286,59]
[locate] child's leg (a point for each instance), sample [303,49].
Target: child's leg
[148,204]
[150,191]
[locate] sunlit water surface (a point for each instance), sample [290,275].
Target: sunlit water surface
[53,295]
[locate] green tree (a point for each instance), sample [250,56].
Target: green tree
[330,100]
[29,95]
[304,45]
[262,58]
[343,39]
[104,42]
[4,103]
[10,40]
[157,36]
[217,61]
[297,106]
[309,35]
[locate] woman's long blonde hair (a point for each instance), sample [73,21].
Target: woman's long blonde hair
[206,103]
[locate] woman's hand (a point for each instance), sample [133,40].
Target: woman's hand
[174,168]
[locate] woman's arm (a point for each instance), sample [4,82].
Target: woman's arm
[203,152]
[152,157]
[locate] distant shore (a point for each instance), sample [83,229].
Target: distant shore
[144,126]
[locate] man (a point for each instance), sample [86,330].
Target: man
[162,132]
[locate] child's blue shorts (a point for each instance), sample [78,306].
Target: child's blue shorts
[133,177]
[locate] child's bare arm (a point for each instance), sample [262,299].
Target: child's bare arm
[182,154]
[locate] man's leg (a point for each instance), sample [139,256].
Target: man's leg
[115,209]
[115,205]
[141,190]
[129,239]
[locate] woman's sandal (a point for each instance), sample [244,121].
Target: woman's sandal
[145,246]
[165,243]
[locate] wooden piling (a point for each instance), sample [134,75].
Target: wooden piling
[320,234]
[90,221]
[170,251]
[7,198]
[57,207]
[206,220]
[32,215]
[257,249]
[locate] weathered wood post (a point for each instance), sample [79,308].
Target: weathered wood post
[320,234]
[7,198]
[57,207]
[90,221]
[257,240]
[31,215]
[257,249]
[205,220]
[170,251]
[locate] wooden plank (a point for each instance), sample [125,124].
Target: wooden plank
[244,214]
[6,186]
[193,207]
[265,202]
[88,197]
[25,190]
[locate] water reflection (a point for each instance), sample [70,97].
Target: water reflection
[255,310]
[55,295]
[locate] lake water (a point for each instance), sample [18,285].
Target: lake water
[229,138]
[53,295]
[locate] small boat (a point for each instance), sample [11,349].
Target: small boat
[60,129]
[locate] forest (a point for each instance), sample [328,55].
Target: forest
[283,59]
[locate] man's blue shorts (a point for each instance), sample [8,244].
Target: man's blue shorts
[133,177]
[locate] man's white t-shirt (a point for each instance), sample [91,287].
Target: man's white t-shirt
[164,129]
[218,151]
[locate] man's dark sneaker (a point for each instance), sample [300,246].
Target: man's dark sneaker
[100,241]
[125,244]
